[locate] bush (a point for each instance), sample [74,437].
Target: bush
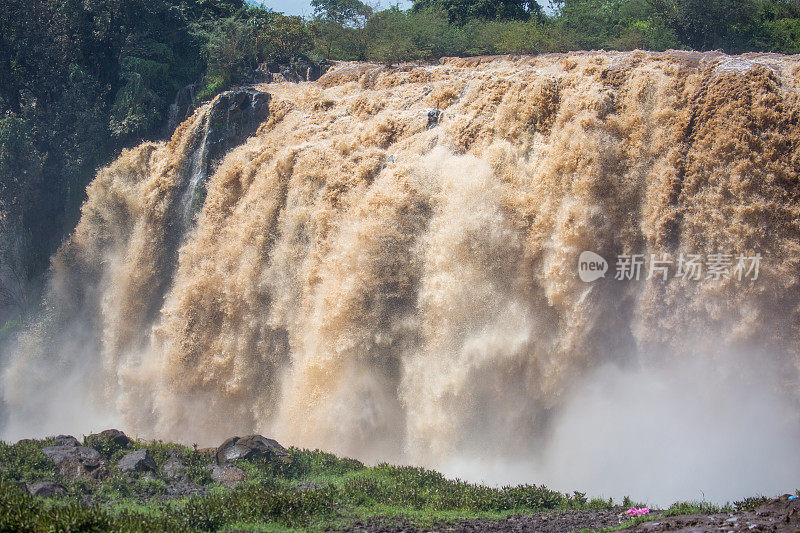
[25,462]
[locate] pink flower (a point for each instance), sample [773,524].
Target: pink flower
[633,511]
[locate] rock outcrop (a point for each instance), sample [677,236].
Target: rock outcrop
[112,436]
[67,440]
[227,475]
[74,460]
[46,489]
[137,461]
[235,116]
[296,72]
[250,447]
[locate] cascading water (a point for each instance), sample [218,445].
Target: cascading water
[368,281]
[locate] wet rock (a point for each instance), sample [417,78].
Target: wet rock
[433,118]
[181,108]
[174,468]
[47,489]
[227,475]
[67,440]
[235,116]
[138,461]
[76,461]
[250,447]
[297,71]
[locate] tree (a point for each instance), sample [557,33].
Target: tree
[342,12]
[462,11]
[284,38]
[339,26]
[709,24]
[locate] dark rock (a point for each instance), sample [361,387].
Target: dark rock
[232,118]
[67,440]
[290,74]
[114,436]
[74,461]
[138,461]
[433,118]
[296,71]
[181,108]
[227,475]
[250,447]
[47,489]
[235,116]
[174,468]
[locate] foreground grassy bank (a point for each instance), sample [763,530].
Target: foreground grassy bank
[306,490]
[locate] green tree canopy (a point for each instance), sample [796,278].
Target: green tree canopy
[462,11]
[343,12]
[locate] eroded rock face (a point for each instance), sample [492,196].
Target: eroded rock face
[76,461]
[235,116]
[227,475]
[46,489]
[138,461]
[250,447]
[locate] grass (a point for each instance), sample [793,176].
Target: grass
[316,490]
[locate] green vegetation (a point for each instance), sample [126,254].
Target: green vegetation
[81,79]
[315,489]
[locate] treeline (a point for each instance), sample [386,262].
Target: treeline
[80,79]
[347,29]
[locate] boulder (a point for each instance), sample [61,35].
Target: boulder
[174,468]
[434,115]
[114,436]
[137,461]
[227,475]
[67,440]
[47,489]
[250,447]
[76,461]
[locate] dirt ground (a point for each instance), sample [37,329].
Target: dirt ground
[779,515]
